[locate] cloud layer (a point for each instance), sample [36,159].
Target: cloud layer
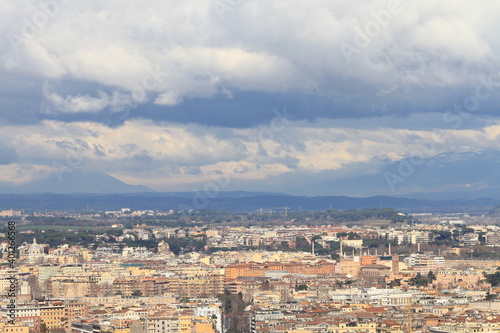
[172,94]
[167,156]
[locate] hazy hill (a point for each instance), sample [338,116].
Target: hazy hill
[75,181]
[248,203]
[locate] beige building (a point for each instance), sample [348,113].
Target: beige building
[359,328]
[18,327]
[69,288]
[52,315]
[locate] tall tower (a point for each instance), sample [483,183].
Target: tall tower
[395,264]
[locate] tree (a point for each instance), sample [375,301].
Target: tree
[341,234]
[283,246]
[395,283]
[431,276]
[493,279]
[234,307]
[482,237]
[316,237]
[467,230]
[353,235]
[302,243]
[490,297]
[418,281]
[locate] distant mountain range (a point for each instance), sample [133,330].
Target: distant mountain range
[75,181]
[450,175]
[452,180]
[250,202]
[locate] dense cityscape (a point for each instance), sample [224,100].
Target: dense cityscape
[370,270]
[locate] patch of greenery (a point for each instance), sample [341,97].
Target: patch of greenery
[494,278]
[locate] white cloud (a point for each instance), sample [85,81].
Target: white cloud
[259,46]
[169,98]
[159,154]
[116,101]
[18,174]
[167,52]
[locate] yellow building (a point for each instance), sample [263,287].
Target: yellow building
[18,327]
[360,327]
[140,271]
[202,327]
[208,285]
[185,322]
[71,269]
[86,255]
[29,269]
[193,324]
[350,267]
[52,315]
[356,243]
[205,260]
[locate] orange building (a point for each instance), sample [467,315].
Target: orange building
[202,327]
[368,260]
[251,269]
[321,268]
[259,269]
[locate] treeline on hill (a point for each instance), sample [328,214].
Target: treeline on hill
[56,237]
[353,215]
[333,216]
[96,237]
[205,216]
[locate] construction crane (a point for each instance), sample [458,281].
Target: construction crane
[285,208]
[264,210]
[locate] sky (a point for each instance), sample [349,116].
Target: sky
[256,95]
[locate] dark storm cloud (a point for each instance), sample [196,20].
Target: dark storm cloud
[273,93]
